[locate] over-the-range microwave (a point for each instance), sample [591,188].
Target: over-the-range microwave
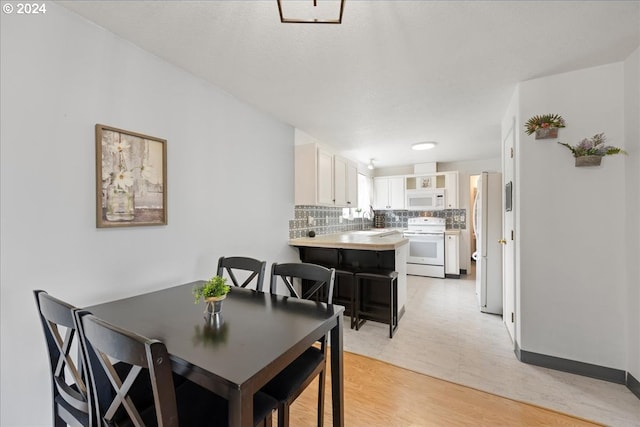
[426,200]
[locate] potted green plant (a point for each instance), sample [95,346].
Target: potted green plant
[544,126]
[590,151]
[215,289]
[213,292]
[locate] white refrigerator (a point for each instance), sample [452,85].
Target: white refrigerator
[487,216]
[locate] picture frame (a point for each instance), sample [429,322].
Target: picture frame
[131,178]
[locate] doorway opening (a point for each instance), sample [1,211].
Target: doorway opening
[473,191]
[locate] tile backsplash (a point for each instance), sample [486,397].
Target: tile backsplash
[456,218]
[328,220]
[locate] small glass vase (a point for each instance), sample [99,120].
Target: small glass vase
[120,204]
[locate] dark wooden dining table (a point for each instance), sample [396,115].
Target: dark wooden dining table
[260,334]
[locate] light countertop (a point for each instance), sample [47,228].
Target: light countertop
[375,239]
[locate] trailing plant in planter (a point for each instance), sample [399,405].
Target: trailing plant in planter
[590,151]
[544,126]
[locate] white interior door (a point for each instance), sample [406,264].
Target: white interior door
[508,232]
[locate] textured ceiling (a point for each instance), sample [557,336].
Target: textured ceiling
[392,74]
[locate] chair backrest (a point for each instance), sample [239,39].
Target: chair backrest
[255,267]
[113,387]
[68,376]
[317,281]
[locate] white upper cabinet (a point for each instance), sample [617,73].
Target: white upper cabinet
[451,187]
[339,181]
[352,184]
[388,192]
[322,178]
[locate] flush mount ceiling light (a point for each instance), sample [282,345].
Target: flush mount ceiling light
[423,145]
[311,11]
[370,165]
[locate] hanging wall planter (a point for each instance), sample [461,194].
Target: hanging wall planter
[588,161]
[546,133]
[545,126]
[590,151]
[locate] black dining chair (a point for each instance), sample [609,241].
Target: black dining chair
[243,265]
[149,363]
[316,284]
[71,398]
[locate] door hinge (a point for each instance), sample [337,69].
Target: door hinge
[512,317]
[511,234]
[511,151]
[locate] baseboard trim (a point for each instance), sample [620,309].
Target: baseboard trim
[574,367]
[633,385]
[516,350]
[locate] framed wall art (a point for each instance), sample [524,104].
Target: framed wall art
[131,178]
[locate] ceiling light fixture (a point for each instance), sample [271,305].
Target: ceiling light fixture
[370,165]
[423,145]
[311,11]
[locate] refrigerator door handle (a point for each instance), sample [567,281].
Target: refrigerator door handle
[474,214]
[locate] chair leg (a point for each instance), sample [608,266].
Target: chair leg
[391,309]
[321,381]
[354,286]
[393,325]
[57,421]
[283,414]
[358,303]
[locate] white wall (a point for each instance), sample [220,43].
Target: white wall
[230,183]
[632,144]
[571,230]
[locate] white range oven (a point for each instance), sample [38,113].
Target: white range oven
[426,246]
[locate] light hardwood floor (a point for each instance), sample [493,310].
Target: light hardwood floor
[443,334]
[380,394]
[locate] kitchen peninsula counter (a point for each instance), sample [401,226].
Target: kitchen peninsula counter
[360,250]
[375,240]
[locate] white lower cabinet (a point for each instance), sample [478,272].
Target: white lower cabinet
[452,255]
